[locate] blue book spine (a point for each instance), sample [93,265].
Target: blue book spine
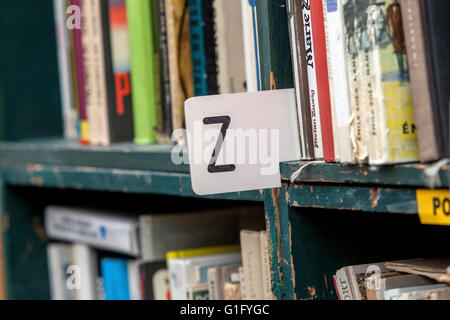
[201,25]
[115,279]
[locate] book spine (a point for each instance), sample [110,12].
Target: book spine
[85,259]
[213,275]
[429,146]
[300,74]
[359,131]
[243,284]
[134,280]
[166,96]
[251,45]
[265,265]
[65,77]
[312,81]
[393,137]
[178,279]
[323,84]
[251,261]
[230,46]
[342,285]
[180,62]
[142,71]
[59,257]
[117,64]
[115,277]
[203,47]
[89,16]
[81,77]
[340,83]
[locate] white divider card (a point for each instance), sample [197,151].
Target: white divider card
[237,141]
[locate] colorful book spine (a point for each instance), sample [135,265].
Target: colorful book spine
[115,279]
[312,81]
[201,22]
[118,71]
[81,79]
[69,111]
[359,130]
[143,75]
[300,74]
[251,45]
[339,76]
[392,133]
[180,62]
[322,80]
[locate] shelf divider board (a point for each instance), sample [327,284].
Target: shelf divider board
[113,180]
[401,175]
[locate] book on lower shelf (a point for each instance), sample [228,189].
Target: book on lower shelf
[413,279]
[183,255]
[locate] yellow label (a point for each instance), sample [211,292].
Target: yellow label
[433,206]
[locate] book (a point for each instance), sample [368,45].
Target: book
[386,89]
[230,46]
[251,45]
[182,271]
[312,81]
[377,284]
[243,286]
[83,275]
[203,46]
[117,70]
[143,76]
[411,293]
[434,268]
[201,251]
[151,273]
[339,85]
[265,266]
[320,65]
[251,262]
[80,77]
[161,233]
[94,63]
[105,230]
[232,288]
[202,272]
[59,259]
[350,281]
[180,63]
[300,74]
[115,278]
[63,40]
[217,277]
[198,291]
[358,124]
[166,95]
[427,45]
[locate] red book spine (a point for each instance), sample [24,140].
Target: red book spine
[323,84]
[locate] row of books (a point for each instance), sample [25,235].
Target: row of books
[370,76]
[127,66]
[414,279]
[115,256]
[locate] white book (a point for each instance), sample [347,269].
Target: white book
[161,233]
[134,280]
[65,73]
[251,46]
[59,257]
[217,277]
[105,230]
[251,262]
[231,74]
[339,84]
[161,284]
[243,284]
[411,293]
[182,271]
[312,82]
[265,264]
[85,260]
